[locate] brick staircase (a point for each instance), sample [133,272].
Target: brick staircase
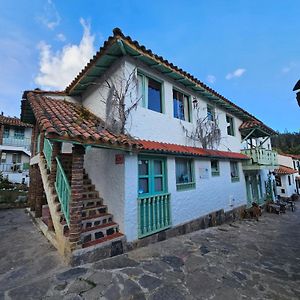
[97,223]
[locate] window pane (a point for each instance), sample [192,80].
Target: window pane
[154,95]
[143,186]
[140,87]
[230,127]
[183,171]
[157,167]
[6,132]
[158,184]
[178,105]
[234,169]
[143,167]
[214,166]
[210,113]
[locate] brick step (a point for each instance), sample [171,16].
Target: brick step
[89,188]
[94,211]
[99,232]
[90,195]
[102,219]
[87,181]
[87,203]
[113,237]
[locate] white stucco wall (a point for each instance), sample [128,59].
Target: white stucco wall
[210,194]
[285,161]
[108,178]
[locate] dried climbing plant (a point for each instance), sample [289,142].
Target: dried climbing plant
[120,88]
[205,131]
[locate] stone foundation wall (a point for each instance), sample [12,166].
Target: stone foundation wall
[212,219]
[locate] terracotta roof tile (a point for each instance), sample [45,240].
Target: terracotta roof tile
[13,122]
[63,119]
[283,170]
[187,150]
[255,123]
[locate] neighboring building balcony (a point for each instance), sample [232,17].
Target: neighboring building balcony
[17,142]
[260,159]
[14,167]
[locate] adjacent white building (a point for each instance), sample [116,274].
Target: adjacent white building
[15,143]
[287,175]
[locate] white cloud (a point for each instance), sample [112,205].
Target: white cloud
[58,69]
[61,37]
[50,16]
[235,74]
[211,78]
[288,68]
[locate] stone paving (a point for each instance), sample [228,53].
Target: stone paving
[244,260]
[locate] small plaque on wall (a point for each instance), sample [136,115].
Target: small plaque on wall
[203,173]
[119,159]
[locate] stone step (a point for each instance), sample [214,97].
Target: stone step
[114,237]
[96,221]
[99,232]
[87,181]
[93,211]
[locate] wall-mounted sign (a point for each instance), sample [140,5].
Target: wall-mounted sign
[203,173]
[119,159]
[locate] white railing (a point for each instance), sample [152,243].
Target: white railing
[17,142]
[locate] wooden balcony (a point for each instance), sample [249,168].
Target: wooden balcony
[260,159]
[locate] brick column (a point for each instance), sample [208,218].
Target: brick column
[42,138]
[76,195]
[39,192]
[32,186]
[33,139]
[56,150]
[1,133]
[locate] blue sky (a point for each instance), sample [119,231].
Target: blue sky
[249,51]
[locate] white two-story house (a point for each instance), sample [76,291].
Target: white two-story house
[137,149]
[15,143]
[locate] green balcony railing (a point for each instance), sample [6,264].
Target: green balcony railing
[261,157]
[48,152]
[63,190]
[154,214]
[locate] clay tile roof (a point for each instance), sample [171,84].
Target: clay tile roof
[187,150]
[254,124]
[69,121]
[283,170]
[13,122]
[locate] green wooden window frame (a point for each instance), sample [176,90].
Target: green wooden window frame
[19,133]
[187,115]
[152,175]
[143,81]
[234,171]
[215,167]
[191,184]
[230,125]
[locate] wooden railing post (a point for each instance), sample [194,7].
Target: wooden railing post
[78,152]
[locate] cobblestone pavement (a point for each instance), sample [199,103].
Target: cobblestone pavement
[244,260]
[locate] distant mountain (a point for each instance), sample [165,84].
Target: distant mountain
[287,142]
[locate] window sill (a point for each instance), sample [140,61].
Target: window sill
[214,174]
[185,186]
[235,179]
